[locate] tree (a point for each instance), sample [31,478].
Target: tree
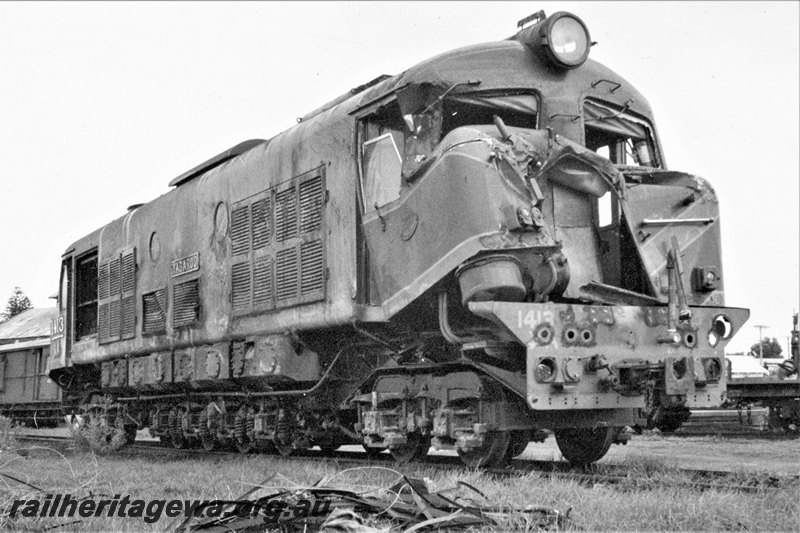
[772,348]
[17,303]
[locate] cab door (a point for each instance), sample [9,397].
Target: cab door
[380,145]
[59,339]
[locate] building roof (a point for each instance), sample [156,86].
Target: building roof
[24,345]
[28,325]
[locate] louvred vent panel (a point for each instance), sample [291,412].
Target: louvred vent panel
[240,230]
[311,268]
[286,274]
[114,277]
[154,310]
[262,282]
[241,285]
[102,322]
[277,238]
[311,205]
[185,303]
[113,319]
[128,317]
[128,272]
[262,222]
[285,215]
[103,281]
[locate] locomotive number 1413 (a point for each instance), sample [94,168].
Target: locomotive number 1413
[534,317]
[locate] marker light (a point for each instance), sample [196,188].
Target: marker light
[562,39]
[545,370]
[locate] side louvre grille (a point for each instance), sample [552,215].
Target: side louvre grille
[240,276]
[262,222]
[277,239]
[103,281]
[128,317]
[128,295]
[113,319]
[154,311]
[240,230]
[311,268]
[116,286]
[286,274]
[311,205]
[185,303]
[102,322]
[128,271]
[262,282]
[114,277]
[285,215]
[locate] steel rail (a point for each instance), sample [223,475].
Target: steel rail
[614,475]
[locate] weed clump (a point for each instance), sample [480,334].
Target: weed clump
[97,436]
[8,434]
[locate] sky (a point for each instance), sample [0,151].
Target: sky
[102,104]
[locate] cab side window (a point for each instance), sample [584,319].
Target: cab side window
[86,296]
[382,144]
[618,137]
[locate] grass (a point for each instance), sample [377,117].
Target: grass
[634,506]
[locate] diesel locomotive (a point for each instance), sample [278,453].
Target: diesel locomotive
[461,256]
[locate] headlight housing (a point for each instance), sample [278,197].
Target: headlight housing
[562,39]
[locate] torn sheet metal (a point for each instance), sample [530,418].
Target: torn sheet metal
[407,505]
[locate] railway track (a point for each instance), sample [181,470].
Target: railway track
[618,476]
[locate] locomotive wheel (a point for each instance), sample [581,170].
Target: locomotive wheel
[176,437]
[130,433]
[329,449]
[284,446]
[668,420]
[208,431]
[243,429]
[582,446]
[328,445]
[791,426]
[494,451]
[518,441]
[373,453]
[416,448]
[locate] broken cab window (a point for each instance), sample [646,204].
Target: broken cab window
[618,137]
[381,163]
[479,108]
[431,111]
[606,215]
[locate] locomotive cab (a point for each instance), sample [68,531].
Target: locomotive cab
[545,208]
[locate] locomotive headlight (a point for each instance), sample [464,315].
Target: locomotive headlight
[568,39]
[562,38]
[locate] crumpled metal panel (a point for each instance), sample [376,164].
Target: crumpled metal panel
[675,210]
